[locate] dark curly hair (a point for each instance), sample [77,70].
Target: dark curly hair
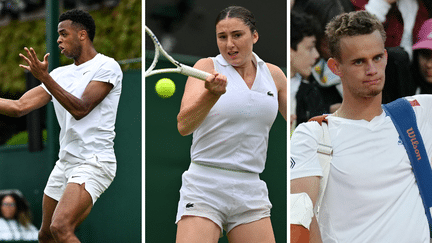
[302,25]
[23,214]
[81,19]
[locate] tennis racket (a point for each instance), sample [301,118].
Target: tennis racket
[180,68]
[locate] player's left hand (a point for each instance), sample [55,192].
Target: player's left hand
[37,68]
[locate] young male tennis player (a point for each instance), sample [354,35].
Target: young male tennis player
[85,96]
[230,116]
[371,195]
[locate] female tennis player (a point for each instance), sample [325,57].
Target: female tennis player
[230,116]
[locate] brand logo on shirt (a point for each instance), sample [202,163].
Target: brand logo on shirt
[414,103]
[414,142]
[269,93]
[86,72]
[189,205]
[292,163]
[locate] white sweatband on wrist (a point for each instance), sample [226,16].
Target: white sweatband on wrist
[301,209]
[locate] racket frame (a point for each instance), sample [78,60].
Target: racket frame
[180,68]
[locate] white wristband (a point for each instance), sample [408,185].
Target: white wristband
[301,212]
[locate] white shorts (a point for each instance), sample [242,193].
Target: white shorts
[228,198]
[97,176]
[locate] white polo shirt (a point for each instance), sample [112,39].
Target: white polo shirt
[371,195]
[94,134]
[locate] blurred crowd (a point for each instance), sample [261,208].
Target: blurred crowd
[315,90]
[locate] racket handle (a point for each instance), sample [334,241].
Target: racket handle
[193,72]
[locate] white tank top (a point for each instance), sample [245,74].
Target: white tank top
[235,133]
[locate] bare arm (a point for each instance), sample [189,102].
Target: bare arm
[93,94]
[31,100]
[310,185]
[281,85]
[199,97]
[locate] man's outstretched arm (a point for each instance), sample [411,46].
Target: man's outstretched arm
[31,100]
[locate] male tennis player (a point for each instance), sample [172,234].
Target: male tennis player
[85,96]
[372,194]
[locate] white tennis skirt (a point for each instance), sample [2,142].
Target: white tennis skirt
[228,198]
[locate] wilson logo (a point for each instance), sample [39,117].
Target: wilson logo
[414,142]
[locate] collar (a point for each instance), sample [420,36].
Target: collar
[256,60]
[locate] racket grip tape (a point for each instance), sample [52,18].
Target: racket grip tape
[193,72]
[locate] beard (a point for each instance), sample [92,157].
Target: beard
[375,91]
[365,92]
[370,93]
[74,53]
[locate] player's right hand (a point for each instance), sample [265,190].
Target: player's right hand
[216,84]
[35,66]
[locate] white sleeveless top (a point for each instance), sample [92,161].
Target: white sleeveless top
[235,133]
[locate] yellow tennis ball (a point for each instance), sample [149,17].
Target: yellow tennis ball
[165,87]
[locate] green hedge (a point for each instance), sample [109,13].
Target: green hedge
[22,138]
[118,35]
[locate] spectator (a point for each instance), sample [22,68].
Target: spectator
[402,19]
[403,79]
[399,81]
[15,218]
[422,61]
[306,99]
[328,83]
